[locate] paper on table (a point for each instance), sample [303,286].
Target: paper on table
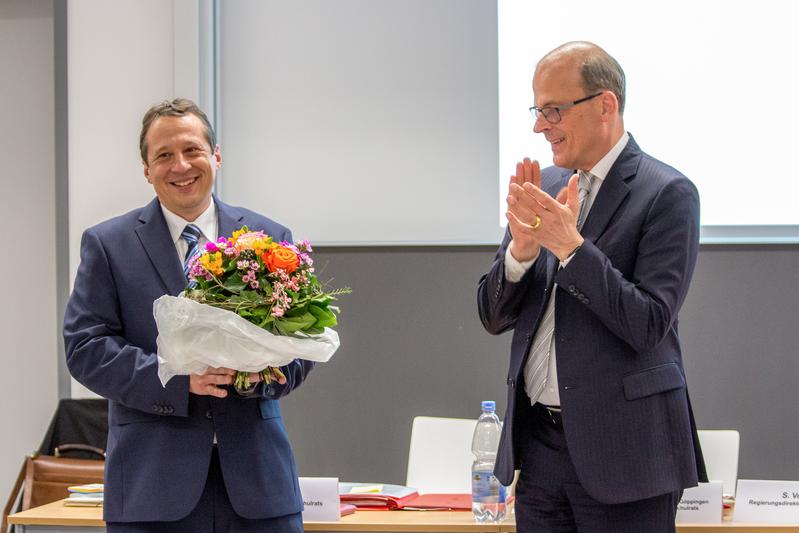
[366,488]
[86,489]
[84,499]
[388,497]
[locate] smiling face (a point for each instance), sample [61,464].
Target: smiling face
[585,132]
[181,165]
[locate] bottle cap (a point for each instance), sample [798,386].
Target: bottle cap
[489,405]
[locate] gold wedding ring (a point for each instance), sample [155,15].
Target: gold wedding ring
[536,224]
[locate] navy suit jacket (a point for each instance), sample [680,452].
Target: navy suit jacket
[626,414]
[160,438]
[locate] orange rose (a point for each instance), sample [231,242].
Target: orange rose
[281,257]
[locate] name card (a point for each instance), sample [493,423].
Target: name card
[775,502]
[320,496]
[701,505]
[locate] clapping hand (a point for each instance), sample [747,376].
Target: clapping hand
[536,219]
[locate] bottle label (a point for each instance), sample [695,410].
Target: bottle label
[486,488]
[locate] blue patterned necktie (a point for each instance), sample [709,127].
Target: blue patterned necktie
[191,234]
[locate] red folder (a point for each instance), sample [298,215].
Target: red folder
[390,497]
[439,502]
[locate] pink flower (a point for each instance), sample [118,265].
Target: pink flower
[306,259]
[211,247]
[304,246]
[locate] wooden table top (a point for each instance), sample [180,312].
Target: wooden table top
[57,514]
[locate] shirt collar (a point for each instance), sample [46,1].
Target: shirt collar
[206,222]
[601,169]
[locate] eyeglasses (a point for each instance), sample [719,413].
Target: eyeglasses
[552,112]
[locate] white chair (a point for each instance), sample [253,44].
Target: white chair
[440,455]
[720,449]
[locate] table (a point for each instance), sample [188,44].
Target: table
[56,518]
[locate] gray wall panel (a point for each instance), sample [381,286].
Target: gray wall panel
[412,345]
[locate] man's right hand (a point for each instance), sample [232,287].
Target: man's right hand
[210,382]
[522,213]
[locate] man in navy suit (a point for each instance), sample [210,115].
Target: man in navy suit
[195,455]
[590,276]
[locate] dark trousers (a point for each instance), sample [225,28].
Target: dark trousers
[550,498]
[213,514]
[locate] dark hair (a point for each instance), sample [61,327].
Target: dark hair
[178,107]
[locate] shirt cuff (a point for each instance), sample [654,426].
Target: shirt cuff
[514,270]
[568,259]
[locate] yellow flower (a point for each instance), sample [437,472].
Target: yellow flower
[212,263]
[256,241]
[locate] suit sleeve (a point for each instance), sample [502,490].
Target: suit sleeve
[499,301]
[98,354]
[643,309]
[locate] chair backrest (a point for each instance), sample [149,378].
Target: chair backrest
[440,455]
[720,449]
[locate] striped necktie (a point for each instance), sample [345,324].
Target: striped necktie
[191,234]
[536,370]
[583,188]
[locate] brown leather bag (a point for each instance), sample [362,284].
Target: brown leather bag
[45,478]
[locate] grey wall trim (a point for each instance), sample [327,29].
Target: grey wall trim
[61,183]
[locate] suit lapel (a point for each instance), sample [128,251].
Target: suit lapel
[228,218]
[613,192]
[157,242]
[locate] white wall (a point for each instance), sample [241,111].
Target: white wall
[123,58]
[29,318]
[362,122]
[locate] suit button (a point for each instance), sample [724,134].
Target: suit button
[586,301]
[156,409]
[168,409]
[209,415]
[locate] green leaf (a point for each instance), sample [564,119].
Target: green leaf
[234,283]
[294,312]
[260,311]
[266,287]
[323,300]
[289,325]
[250,296]
[266,322]
[325,318]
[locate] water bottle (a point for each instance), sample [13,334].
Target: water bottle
[488,494]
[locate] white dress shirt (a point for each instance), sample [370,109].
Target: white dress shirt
[206,222]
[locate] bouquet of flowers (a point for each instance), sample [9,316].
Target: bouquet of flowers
[252,304]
